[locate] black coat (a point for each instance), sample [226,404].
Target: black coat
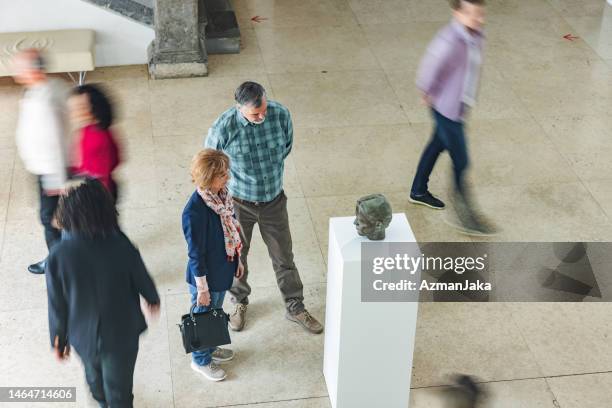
[93,288]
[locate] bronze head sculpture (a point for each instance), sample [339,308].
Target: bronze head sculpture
[372,216]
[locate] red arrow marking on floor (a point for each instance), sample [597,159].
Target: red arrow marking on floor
[570,37]
[258,19]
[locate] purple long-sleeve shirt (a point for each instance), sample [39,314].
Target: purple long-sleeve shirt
[443,70]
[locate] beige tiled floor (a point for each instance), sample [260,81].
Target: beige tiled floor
[540,141]
[582,391]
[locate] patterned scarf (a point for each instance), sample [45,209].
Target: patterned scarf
[222,204]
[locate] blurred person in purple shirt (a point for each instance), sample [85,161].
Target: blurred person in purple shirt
[448,78]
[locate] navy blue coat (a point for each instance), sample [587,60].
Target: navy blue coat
[206,246]
[93,288]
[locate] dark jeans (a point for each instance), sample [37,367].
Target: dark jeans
[447,135]
[110,377]
[204,357]
[48,204]
[273,223]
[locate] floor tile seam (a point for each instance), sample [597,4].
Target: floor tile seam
[25,219]
[379,70]
[175,292]
[24,309]
[170,84]
[544,377]
[555,183]
[518,328]
[572,169]
[141,207]
[326,71]
[550,389]
[483,185]
[354,194]
[310,216]
[272,286]
[393,122]
[582,181]
[280,25]
[149,105]
[355,25]
[586,186]
[263,61]
[6,211]
[340,126]
[317,235]
[385,74]
[169,351]
[169,136]
[270,401]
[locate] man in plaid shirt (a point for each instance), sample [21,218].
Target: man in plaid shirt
[257,135]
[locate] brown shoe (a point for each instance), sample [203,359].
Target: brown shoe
[306,320]
[237,319]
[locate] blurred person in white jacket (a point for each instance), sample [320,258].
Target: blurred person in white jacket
[41,137]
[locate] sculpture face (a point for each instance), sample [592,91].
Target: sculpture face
[373,216]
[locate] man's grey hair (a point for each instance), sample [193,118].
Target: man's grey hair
[250,94]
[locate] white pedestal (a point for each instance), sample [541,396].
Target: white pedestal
[368,346]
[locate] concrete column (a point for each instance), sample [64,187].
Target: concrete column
[176,51]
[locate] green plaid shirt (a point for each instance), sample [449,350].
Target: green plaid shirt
[257,152]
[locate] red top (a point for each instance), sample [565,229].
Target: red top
[97,155]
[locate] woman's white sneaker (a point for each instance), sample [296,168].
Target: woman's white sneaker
[211,371]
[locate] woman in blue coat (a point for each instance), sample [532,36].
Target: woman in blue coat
[213,242]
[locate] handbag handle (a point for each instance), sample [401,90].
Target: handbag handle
[195,342]
[193,306]
[191,311]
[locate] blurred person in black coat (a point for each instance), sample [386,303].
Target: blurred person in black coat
[95,277]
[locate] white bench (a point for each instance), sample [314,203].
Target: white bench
[64,50]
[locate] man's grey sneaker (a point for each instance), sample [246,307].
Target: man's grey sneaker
[428,200]
[221,355]
[475,226]
[237,319]
[211,371]
[306,320]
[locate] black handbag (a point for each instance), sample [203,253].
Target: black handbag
[204,329]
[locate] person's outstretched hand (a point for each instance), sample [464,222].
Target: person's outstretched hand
[63,354]
[149,310]
[153,310]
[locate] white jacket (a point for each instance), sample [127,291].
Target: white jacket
[42,132]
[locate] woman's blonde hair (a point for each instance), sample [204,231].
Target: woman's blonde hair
[207,165]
